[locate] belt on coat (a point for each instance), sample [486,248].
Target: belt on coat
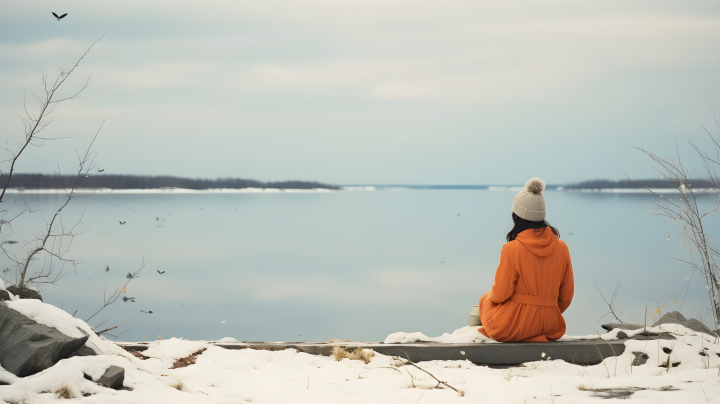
[536,300]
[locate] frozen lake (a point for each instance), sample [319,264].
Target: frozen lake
[351,264]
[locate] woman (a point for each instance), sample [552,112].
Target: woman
[534,282]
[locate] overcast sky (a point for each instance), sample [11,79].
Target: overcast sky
[370,91]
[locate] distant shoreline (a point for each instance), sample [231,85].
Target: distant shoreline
[169,191]
[133,184]
[41,182]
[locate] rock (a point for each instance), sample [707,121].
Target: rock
[113,378]
[25,293]
[27,347]
[640,359]
[673,317]
[697,326]
[621,335]
[622,326]
[83,351]
[4,295]
[693,324]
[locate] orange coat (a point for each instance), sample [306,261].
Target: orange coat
[534,285]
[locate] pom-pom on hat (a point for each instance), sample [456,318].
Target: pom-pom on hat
[529,203]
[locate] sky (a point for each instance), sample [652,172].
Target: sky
[366,92]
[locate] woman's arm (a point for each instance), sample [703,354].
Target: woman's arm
[567,286]
[505,277]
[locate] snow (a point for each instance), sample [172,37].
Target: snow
[2,284]
[51,316]
[247,375]
[227,340]
[466,334]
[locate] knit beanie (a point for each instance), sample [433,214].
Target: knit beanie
[529,203]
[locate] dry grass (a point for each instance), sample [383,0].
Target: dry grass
[341,352]
[138,355]
[398,362]
[188,360]
[583,387]
[65,392]
[178,385]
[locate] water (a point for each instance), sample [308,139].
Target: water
[358,265]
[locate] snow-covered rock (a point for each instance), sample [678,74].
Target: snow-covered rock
[28,347]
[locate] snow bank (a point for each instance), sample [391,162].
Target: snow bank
[2,284]
[676,371]
[465,335]
[227,340]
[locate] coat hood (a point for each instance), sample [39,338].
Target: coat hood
[540,242]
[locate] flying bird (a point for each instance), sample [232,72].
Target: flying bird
[99,170]
[61,17]
[148,312]
[125,299]
[107,268]
[160,272]
[130,276]
[122,223]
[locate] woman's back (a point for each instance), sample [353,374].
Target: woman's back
[534,282]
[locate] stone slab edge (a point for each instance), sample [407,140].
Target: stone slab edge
[589,352]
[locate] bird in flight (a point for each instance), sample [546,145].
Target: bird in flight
[160,272]
[107,268]
[99,170]
[122,223]
[148,312]
[125,299]
[60,17]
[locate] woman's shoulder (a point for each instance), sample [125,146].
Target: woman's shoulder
[562,244]
[512,245]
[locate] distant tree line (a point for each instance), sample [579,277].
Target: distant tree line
[627,184]
[42,181]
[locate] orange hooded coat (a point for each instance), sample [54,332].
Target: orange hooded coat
[534,285]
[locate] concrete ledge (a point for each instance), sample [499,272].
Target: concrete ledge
[586,352]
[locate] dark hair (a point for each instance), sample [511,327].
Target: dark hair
[522,224]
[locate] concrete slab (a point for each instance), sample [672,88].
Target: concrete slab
[585,352]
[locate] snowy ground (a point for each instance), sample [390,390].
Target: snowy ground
[239,376]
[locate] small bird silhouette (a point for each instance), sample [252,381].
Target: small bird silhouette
[59,18]
[148,312]
[99,170]
[125,299]
[107,268]
[10,242]
[131,276]
[160,272]
[122,223]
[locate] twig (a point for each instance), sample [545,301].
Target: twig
[433,376]
[118,291]
[617,288]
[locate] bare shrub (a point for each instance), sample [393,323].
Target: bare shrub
[178,385]
[341,352]
[686,210]
[43,259]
